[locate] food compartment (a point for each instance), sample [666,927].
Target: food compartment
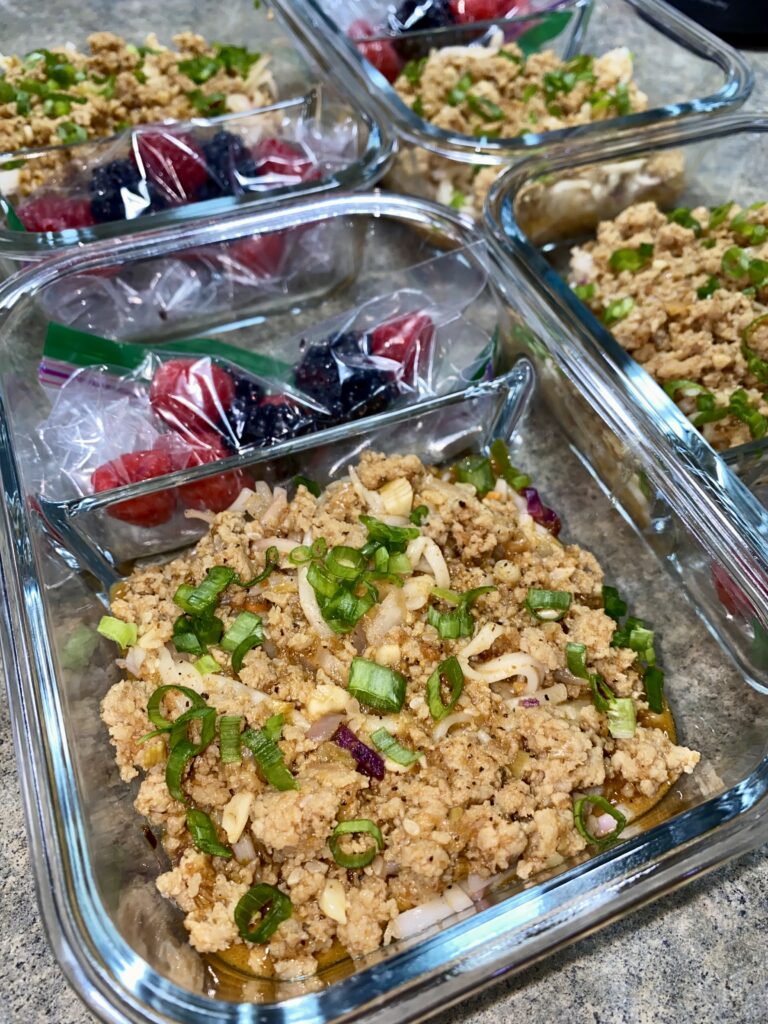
[172,128]
[669,214]
[472,98]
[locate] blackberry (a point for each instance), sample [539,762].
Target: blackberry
[248,396]
[271,422]
[110,184]
[339,375]
[229,163]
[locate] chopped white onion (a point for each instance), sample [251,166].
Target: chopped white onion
[134,659]
[277,507]
[198,513]
[515,663]
[416,920]
[389,614]
[309,605]
[283,544]
[425,548]
[372,499]
[324,727]
[241,501]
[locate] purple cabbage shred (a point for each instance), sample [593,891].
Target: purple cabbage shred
[368,761]
[544,516]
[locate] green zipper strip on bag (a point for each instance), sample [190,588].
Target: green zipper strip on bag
[11,217]
[79,348]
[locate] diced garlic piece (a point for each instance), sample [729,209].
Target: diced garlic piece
[235,815]
[387,654]
[333,901]
[397,497]
[328,699]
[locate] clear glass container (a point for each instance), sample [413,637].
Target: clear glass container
[540,209]
[681,68]
[669,523]
[306,107]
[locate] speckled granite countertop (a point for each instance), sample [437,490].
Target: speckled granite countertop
[697,955]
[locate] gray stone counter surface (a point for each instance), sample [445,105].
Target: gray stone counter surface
[695,956]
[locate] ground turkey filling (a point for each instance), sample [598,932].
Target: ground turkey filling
[494,787]
[497,92]
[684,292]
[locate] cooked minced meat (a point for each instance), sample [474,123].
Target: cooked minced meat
[50,97]
[684,292]
[493,778]
[497,92]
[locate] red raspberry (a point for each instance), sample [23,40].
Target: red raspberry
[286,159]
[407,340]
[152,509]
[175,163]
[730,595]
[55,213]
[214,493]
[466,11]
[260,255]
[191,393]
[379,52]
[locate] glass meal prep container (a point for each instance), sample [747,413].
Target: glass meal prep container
[627,483]
[301,138]
[540,210]
[681,69]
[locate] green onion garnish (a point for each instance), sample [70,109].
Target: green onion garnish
[160,722]
[620,711]
[70,133]
[484,108]
[414,69]
[300,555]
[244,625]
[475,470]
[458,622]
[585,292]
[394,538]
[618,310]
[457,199]
[459,92]
[347,563]
[359,826]
[708,289]
[653,680]
[735,262]
[269,758]
[278,909]
[376,686]
[613,604]
[740,407]
[503,468]
[391,748]
[758,272]
[529,92]
[447,673]
[202,599]
[199,69]
[580,811]
[621,718]
[419,514]
[717,214]
[311,486]
[631,259]
[273,727]
[203,834]
[756,366]
[123,633]
[683,216]
[689,388]
[207,664]
[183,750]
[229,738]
[271,562]
[242,649]
[548,605]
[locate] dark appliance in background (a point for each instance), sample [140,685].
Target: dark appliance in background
[741,22]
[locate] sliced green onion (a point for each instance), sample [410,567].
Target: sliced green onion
[448,672]
[399,563]
[576,659]
[618,310]
[319,547]
[242,649]
[457,199]
[585,292]
[484,108]
[708,289]
[548,605]
[207,664]
[613,604]
[311,486]
[631,259]
[359,826]
[321,581]
[202,599]
[503,468]
[154,714]
[414,69]
[273,727]
[735,262]
[580,811]
[346,563]
[717,214]
[391,748]
[376,686]
[182,751]
[394,538]
[244,625]
[653,680]
[603,696]
[123,633]
[452,597]
[683,216]
[641,641]
[475,470]
[621,718]
[689,388]
[459,92]
[756,366]
[271,562]
[300,555]
[278,909]
[758,272]
[740,407]
[529,91]
[453,624]
[512,57]
[203,834]
[229,738]
[269,758]
[419,514]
